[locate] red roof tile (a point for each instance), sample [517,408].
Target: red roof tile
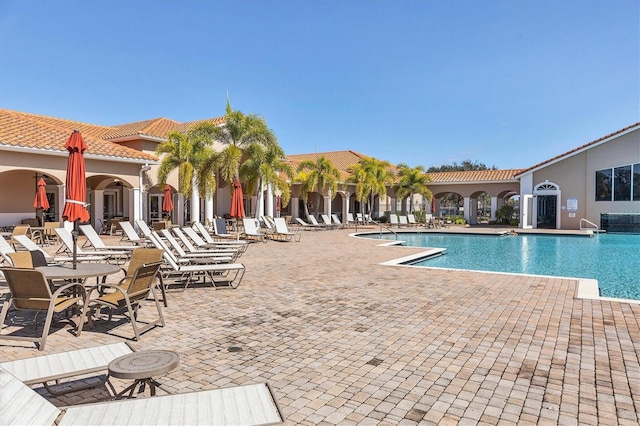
[474,176]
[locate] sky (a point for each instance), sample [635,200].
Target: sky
[506,83]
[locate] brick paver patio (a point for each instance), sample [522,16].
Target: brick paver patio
[344,340]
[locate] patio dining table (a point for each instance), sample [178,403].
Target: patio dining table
[83,271]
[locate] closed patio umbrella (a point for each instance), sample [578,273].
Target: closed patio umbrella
[237,203]
[40,203]
[75,209]
[167,202]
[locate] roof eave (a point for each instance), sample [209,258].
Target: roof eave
[135,137]
[89,156]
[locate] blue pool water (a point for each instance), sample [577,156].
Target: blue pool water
[612,259]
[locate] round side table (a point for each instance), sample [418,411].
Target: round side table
[142,366]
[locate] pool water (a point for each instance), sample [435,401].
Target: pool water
[612,259]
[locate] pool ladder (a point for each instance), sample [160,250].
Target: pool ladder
[593,225]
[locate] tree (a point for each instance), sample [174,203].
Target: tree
[412,181]
[195,159]
[238,133]
[317,176]
[371,177]
[464,166]
[265,166]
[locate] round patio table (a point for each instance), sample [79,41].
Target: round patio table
[142,366]
[82,271]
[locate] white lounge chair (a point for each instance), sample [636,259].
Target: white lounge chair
[21,405]
[251,230]
[55,367]
[130,235]
[207,236]
[393,220]
[229,273]
[94,239]
[220,230]
[336,221]
[411,219]
[282,231]
[315,223]
[144,228]
[308,226]
[201,256]
[239,405]
[240,245]
[327,221]
[403,221]
[115,256]
[25,242]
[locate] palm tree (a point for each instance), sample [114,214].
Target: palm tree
[371,176]
[238,133]
[195,159]
[412,180]
[317,176]
[264,167]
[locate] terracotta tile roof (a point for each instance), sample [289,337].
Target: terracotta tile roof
[340,159]
[157,127]
[474,176]
[580,148]
[18,129]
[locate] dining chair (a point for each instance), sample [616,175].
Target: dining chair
[29,291]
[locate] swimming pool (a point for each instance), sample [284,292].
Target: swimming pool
[612,259]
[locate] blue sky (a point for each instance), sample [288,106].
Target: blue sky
[506,83]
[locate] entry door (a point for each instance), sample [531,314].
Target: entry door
[547,211]
[527,211]
[155,207]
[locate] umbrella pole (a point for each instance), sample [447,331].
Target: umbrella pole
[74,234]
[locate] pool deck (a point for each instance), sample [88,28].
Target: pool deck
[343,339]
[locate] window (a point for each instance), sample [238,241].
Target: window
[618,184]
[603,185]
[636,182]
[622,183]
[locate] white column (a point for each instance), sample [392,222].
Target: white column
[127,203]
[295,207]
[135,203]
[61,197]
[327,203]
[208,209]
[97,208]
[195,201]
[178,209]
[494,207]
[467,208]
[345,207]
[269,201]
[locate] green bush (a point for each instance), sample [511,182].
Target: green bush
[505,214]
[514,222]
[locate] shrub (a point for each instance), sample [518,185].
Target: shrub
[505,214]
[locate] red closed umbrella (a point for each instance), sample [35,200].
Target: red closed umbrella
[167,202]
[41,202]
[75,207]
[237,203]
[433,205]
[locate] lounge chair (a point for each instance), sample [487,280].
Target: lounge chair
[21,405]
[55,367]
[336,221]
[210,241]
[144,228]
[25,242]
[202,256]
[251,404]
[240,245]
[130,235]
[130,291]
[251,230]
[327,221]
[213,271]
[239,405]
[411,219]
[29,290]
[314,222]
[220,230]
[393,220]
[282,232]
[308,226]
[20,230]
[111,256]
[94,240]
[350,220]
[403,221]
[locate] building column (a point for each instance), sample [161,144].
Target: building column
[467,209]
[327,203]
[178,209]
[195,202]
[295,207]
[494,207]
[97,208]
[269,201]
[345,207]
[208,210]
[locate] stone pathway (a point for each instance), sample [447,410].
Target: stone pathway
[344,340]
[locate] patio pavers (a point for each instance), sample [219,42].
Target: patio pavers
[344,340]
